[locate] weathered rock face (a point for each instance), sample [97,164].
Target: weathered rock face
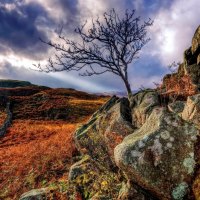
[192,109]
[194,72]
[176,107]
[142,104]
[191,59]
[160,155]
[196,41]
[105,130]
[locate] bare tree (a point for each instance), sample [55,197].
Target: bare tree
[110,45]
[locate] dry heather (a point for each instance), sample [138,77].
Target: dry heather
[178,86]
[34,154]
[37,149]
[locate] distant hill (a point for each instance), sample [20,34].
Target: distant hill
[6,83]
[43,103]
[44,120]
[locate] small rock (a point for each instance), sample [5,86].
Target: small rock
[36,194]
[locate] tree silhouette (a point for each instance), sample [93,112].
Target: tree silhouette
[110,45]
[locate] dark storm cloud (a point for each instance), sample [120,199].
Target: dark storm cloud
[19,29]
[147,8]
[71,15]
[70,6]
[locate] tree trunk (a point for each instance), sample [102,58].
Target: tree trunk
[128,88]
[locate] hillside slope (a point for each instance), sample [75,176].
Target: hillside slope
[38,147]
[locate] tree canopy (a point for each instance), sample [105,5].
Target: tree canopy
[109,45]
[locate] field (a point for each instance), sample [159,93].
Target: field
[37,150]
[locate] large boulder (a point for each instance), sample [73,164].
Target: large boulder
[160,155]
[105,130]
[142,104]
[191,110]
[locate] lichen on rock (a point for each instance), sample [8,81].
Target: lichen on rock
[180,191]
[142,104]
[160,155]
[105,130]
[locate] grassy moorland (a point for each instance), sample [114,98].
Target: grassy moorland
[38,148]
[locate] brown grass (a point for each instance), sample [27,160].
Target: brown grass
[37,149]
[55,105]
[35,154]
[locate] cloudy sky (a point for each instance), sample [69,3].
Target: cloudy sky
[22,22]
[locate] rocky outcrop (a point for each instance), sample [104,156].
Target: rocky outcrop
[187,78]
[105,130]
[160,155]
[191,59]
[157,157]
[149,148]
